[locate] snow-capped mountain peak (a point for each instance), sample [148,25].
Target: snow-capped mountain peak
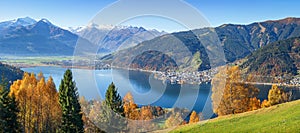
[100,27]
[107,26]
[75,29]
[46,21]
[25,21]
[18,22]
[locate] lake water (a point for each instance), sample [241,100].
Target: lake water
[92,84]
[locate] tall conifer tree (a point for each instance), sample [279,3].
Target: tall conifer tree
[113,99]
[8,112]
[113,111]
[71,110]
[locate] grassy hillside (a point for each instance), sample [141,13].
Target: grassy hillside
[279,118]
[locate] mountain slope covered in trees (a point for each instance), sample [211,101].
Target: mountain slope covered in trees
[280,58]
[10,73]
[238,41]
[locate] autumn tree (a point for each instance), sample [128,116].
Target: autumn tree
[8,111]
[145,119]
[276,95]
[265,104]
[39,110]
[231,94]
[175,119]
[139,118]
[69,101]
[146,113]
[130,107]
[254,104]
[51,108]
[39,104]
[194,117]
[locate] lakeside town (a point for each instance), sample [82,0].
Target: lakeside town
[295,81]
[170,76]
[175,77]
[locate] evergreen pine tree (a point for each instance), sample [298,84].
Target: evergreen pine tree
[113,99]
[8,112]
[71,110]
[112,111]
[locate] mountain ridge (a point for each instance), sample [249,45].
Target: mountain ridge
[238,41]
[26,36]
[111,38]
[40,38]
[277,59]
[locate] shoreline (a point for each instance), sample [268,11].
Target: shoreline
[159,75]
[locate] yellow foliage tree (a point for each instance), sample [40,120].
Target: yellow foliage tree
[174,120]
[146,113]
[276,95]
[130,107]
[231,94]
[265,104]
[254,104]
[38,103]
[194,117]
[52,107]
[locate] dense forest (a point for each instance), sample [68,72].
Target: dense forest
[10,73]
[276,59]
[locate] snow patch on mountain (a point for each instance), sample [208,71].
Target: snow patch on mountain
[18,22]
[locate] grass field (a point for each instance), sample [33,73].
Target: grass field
[34,60]
[279,118]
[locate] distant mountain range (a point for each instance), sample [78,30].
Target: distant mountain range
[110,38]
[17,22]
[28,37]
[238,42]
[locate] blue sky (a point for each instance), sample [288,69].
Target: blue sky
[73,13]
